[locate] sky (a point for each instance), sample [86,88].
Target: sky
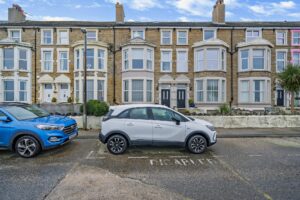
[155,10]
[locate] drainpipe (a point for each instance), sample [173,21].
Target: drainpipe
[232,51]
[114,64]
[35,60]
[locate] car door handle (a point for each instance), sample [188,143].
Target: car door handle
[130,124]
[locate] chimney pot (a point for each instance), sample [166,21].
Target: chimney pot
[16,14]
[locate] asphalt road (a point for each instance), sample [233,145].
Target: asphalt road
[240,168]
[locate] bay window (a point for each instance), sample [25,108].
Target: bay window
[96,89]
[138,90]
[77,54]
[100,90]
[23,62]
[210,90]
[281,60]
[166,61]
[90,58]
[255,59]
[182,60]
[23,91]
[296,57]
[210,59]
[101,59]
[9,89]
[254,90]
[90,90]
[141,58]
[77,90]
[8,58]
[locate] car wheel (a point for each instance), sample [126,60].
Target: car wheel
[117,144]
[27,147]
[197,144]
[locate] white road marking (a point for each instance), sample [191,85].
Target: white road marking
[178,156]
[141,157]
[90,157]
[251,155]
[291,155]
[220,156]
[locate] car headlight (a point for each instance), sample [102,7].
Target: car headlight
[212,128]
[49,127]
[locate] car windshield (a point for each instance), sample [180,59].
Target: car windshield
[26,112]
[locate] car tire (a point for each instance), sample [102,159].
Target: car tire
[27,147]
[197,144]
[117,144]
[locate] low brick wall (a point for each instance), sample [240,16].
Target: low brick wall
[268,121]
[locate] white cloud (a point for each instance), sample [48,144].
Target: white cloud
[296,15]
[285,4]
[184,19]
[193,7]
[268,9]
[51,18]
[139,4]
[2,1]
[259,9]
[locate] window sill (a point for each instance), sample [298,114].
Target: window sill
[218,70]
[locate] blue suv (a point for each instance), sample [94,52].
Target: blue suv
[28,129]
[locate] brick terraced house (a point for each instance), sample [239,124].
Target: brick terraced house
[148,62]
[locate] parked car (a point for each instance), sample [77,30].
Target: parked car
[131,125]
[28,129]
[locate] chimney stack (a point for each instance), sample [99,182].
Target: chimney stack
[16,14]
[120,15]
[218,15]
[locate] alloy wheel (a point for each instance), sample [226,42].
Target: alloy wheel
[27,147]
[197,144]
[117,144]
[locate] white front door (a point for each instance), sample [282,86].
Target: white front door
[64,92]
[165,128]
[48,90]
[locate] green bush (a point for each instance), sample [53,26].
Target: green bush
[70,100]
[224,109]
[53,100]
[96,108]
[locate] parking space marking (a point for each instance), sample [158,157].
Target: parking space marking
[292,155]
[91,157]
[253,155]
[141,157]
[178,156]
[182,162]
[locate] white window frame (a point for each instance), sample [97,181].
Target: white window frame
[25,90]
[161,60]
[221,62]
[130,56]
[221,93]
[10,34]
[252,30]
[266,90]
[267,59]
[161,36]
[58,36]
[145,79]
[285,37]
[187,36]
[27,58]
[96,33]
[42,59]
[14,91]
[138,29]
[15,60]
[285,59]
[42,36]
[58,60]
[187,60]
[209,29]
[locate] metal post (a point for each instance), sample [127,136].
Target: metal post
[84,82]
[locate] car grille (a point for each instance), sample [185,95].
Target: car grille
[70,129]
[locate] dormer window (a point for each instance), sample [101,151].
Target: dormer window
[15,35]
[138,33]
[209,34]
[252,34]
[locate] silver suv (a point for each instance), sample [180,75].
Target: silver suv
[131,125]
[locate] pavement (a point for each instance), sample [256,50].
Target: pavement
[228,133]
[234,168]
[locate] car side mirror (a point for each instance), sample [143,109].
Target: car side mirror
[176,120]
[4,119]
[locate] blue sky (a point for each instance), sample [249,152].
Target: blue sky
[156,10]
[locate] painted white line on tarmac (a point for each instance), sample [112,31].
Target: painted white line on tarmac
[140,157]
[220,156]
[90,157]
[178,156]
[258,155]
[292,155]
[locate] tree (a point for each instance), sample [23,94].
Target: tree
[289,80]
